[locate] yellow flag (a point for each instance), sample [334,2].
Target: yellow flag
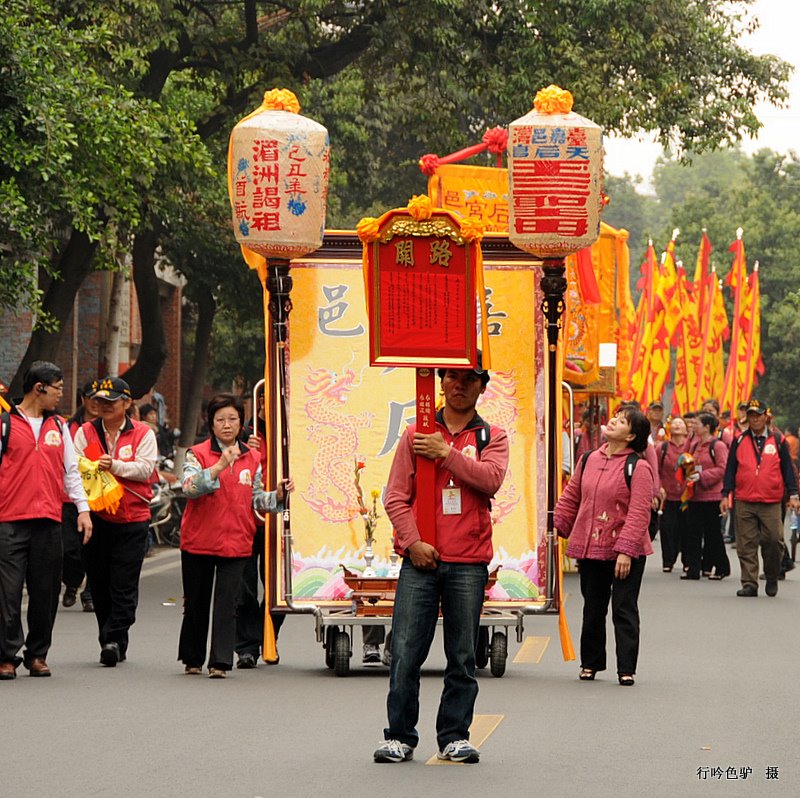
[102,490]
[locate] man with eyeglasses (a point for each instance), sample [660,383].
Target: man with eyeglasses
[37,466]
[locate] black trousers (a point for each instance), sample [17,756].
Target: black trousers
[670,533]
[598,586]
[114,557]
[706,549]
[250,608]
[30,554]
[74,567]
[201,574]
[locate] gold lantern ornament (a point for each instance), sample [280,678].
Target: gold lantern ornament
[278,167]
[555,174]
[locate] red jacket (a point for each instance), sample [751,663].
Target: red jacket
[32,471]
[467,537]
[758,479]
[599,515]
[667,463]
[222,523]
[709,487]
[135,504]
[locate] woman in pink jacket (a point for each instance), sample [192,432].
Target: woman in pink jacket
[671,525]
[705,548]
[605,513]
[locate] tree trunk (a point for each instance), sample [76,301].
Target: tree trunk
[74,265]
[144,373]
[190,413]
[111,356]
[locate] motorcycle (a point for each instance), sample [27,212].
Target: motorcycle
[166,507]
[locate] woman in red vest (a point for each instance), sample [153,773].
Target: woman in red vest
[222,479]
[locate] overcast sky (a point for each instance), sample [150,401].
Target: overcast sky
[778,34]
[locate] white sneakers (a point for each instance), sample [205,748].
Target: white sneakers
[393,751]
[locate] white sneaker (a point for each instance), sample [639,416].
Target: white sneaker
[386,657]
[460,751]
[372,655]
[393,751]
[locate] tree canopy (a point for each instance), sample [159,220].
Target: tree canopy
[116,114]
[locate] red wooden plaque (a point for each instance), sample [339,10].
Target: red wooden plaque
[422,292]
[421,284]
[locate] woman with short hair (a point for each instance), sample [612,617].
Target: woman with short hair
[222,480]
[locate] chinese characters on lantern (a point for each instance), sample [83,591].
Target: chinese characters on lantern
[261,193]
[552,178]
[279,166]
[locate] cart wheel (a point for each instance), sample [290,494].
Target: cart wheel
[330,646]
[482,649]
[341,654]
[499,654]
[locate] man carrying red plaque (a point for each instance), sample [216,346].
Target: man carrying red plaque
[471,459]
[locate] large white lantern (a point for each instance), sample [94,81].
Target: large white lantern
[555,174]
[278,166]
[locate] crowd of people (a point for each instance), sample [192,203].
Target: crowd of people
[701,482]
[695,480]
[49,532]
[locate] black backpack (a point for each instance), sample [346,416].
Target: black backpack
[630,464]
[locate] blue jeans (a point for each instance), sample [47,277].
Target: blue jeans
[459,587]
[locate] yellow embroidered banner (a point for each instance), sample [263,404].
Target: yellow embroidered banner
[341,410]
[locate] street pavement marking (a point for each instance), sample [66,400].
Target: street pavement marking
[532,649]
[480,730]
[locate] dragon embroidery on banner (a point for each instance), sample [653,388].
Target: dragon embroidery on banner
[499,405]
[331,491]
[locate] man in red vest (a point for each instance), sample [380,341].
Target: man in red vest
[471,459]
[758,472]
[128,449]
[37,466]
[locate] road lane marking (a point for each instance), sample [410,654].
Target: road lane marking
[532,650]
[480,730]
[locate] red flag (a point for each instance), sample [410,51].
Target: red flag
[587,282]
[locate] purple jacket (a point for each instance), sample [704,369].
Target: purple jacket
[599,515]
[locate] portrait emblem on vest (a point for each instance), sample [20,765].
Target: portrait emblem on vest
[245,477]
[52,438]
[126,452]
[769,448]
[470,451]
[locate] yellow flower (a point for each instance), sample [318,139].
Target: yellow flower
[376,494]
[420,207]
[367,229]
[472,228]
[553,100]
[281,100]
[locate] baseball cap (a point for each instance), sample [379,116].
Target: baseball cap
[89,388]
[656,403]
[478,370]
[111,389]
[756,406]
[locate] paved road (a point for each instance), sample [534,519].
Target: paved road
[716,689]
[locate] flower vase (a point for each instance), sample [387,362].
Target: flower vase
[394,566]
[369,556]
